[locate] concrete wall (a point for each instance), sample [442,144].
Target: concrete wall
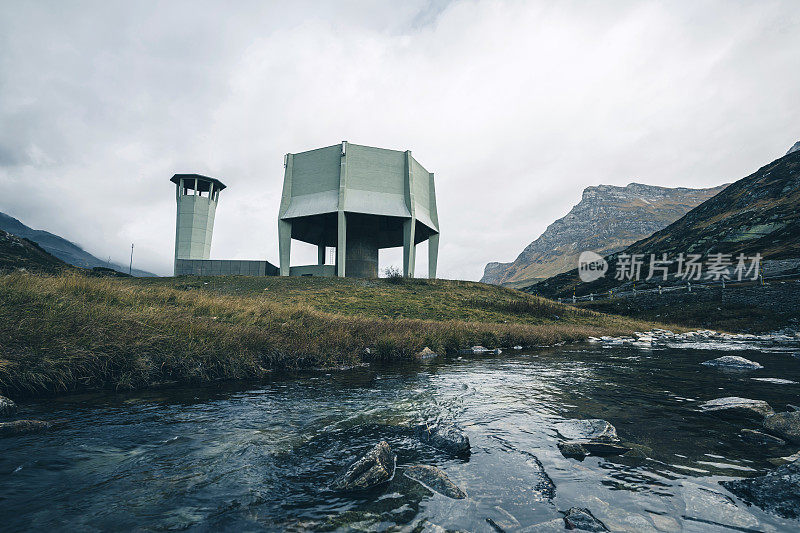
[224,267]
[324,271]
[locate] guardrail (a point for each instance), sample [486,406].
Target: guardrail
[688,286]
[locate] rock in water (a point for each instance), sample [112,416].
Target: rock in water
[436,480]
[375,467]
[593,429]
[449,438]
[582,519]
[733,361]
[20,427]
[571,449]
[7,406]
[777,491]
[738,405]
[784,425]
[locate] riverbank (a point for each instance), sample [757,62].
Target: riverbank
[70,332]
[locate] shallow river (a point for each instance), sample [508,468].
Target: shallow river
[261,456]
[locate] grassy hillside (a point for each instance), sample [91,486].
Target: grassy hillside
[73,332]
[18,253]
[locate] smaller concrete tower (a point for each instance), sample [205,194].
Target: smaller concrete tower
[197,198]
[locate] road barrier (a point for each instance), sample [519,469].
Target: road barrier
[688,286]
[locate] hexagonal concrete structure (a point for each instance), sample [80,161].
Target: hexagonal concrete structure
[358,199]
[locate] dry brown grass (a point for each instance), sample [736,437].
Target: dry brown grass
[71,332]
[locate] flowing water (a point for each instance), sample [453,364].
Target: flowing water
[262,456]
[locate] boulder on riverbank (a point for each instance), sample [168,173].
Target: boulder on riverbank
[449,438]
[373,468]
[734,362]
[434,479]
[777,491]
[784,425]
[582,519]
[738,406]
[425,353]
[21,427]
[7,406]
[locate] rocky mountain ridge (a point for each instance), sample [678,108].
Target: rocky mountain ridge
[607,219]
[60,247]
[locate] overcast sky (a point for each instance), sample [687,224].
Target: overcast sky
[515,106]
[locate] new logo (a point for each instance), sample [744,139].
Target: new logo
[591,266]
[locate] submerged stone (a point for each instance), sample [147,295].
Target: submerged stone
[733,361]
[7,406]
[582,519]
[373,468]
[703,504]
[20,427]
[785,425]
[744,406]
[593,429]
[777,491]
[434,479]
[449,438]
[758,437]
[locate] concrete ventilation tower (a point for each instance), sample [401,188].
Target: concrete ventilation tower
[197,198]
[358,199]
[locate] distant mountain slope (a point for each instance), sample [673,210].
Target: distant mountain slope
[61,248]
[757,214]
[18,253]
[606,220]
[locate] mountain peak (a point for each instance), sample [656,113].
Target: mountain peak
[608,218]
[794,148]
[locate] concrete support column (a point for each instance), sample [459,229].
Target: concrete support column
[284,245]
[320,254]
[409,248]
[362,248]
[341,244]
[433,255]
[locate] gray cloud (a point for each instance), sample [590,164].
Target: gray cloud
[516,106]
